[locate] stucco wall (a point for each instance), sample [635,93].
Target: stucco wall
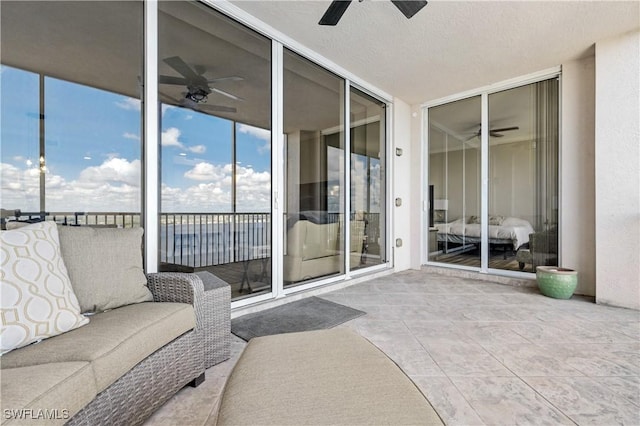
[617,149]
[402,185]
[577,156]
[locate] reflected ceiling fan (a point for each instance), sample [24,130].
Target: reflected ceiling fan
[337,8]
[496,133]
[198,86]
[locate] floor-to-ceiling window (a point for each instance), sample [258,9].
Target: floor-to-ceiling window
[75,126]
[71,110]
[368,177]
[519,224]
[314,166]
[214,86]
[454,182]
[523,174]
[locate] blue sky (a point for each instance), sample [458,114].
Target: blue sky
[93,152]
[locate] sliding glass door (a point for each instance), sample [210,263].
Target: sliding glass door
[523,177]
[314,171]
[368,177]
[454,183]
[518,231]
[215,92]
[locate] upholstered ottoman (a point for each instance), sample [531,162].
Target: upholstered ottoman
[320,377]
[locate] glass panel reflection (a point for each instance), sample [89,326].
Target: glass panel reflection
[368,174]
[215,88]
[523,171]
[314,168]
[454,183]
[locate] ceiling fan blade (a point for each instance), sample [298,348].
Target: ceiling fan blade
[232,78]
[334,12]
[188,103]
[227,94]
[219,108]
[179,65]
[166,79]
[505,129]
[409,7]
[495,135]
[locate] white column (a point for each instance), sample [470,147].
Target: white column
[618,171]
[151,115]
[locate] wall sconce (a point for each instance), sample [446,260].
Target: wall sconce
[398,202]
[398,152]
[398,242]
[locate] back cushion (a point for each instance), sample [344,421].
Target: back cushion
[105,266]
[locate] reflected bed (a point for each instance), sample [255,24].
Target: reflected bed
[504,231]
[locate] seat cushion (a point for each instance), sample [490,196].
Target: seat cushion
[331,377]
[113,341]
[53,391]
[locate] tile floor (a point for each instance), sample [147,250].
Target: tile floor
[482,353]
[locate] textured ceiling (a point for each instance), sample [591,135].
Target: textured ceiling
[449,46]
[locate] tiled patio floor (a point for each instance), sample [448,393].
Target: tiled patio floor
[482,353]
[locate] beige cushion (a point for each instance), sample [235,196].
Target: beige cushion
[332,377]
[114,341]
[37,299]
[320,240]
[56,390]
[105,266]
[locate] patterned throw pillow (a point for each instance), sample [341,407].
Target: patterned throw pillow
[36,297]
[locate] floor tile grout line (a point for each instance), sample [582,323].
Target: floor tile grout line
[549,402]
[449,379]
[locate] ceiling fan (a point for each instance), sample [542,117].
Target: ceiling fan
[337,8]
[496,133]
[198,86]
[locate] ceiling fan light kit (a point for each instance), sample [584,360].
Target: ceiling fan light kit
[198,87]
[337,8]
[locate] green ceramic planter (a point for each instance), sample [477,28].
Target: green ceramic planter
[556,282]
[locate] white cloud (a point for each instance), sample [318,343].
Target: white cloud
[262,134]
[171,137]
[132,136]
[198,149]
[114,186]
[114,170]
[166,107]
[213,192]
[129,104]
[257,132]
[206,172]
[20,188]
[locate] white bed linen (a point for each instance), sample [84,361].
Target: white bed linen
[512,228]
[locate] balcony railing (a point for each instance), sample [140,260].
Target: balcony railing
[198,239]
[188,239]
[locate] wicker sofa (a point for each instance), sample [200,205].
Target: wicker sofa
[119,367]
